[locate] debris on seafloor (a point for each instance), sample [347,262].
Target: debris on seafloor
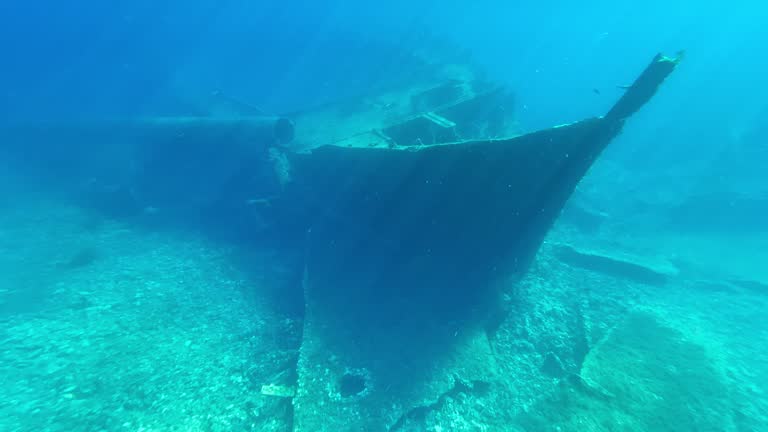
[618,264]
[278,390]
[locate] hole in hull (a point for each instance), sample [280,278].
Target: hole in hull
[352,384]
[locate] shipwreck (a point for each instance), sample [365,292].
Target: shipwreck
[404,210]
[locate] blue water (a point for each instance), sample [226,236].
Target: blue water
[124,306]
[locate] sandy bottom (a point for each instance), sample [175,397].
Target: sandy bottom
[108,327]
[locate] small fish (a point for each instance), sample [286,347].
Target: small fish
[624,87]
[595,91]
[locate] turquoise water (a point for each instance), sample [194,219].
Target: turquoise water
[158,282]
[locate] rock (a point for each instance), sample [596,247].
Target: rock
[643,376]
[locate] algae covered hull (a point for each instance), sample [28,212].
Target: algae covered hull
[405,251]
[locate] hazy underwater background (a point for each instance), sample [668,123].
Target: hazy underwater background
[644,309]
